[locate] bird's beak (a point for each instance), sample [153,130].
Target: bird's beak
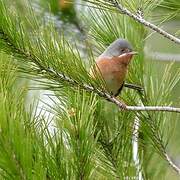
[132,53]
[128,54]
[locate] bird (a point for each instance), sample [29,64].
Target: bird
[112,66]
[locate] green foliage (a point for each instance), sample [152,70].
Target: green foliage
[16,129]
[92,139]
[170,4]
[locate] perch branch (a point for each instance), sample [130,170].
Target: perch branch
[153,108]
[107,96]
[112,99]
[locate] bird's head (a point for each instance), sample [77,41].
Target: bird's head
[120,48]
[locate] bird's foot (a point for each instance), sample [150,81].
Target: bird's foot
[122,104]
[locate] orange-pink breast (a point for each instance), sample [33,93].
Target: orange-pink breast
[113,70]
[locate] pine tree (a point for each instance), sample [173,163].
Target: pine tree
[90,136]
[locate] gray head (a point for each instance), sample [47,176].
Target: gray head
[117,48]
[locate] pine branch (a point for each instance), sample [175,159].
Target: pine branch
[135,146]
[141,20]
[171,163]
[144,22]
[112,99]
[153,108]
[60,76]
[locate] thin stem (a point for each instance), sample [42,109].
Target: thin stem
[172,164]
[135,143]
[165,154]
[112,99]
[141,20]
[153,108]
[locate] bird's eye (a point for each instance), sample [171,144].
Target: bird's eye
[123,50]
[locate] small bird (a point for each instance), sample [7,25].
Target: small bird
[113,65]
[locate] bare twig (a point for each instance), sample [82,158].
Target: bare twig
[153,108]
[113,99]
[135,144]
[171,163]
[135,140]
[141,20]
